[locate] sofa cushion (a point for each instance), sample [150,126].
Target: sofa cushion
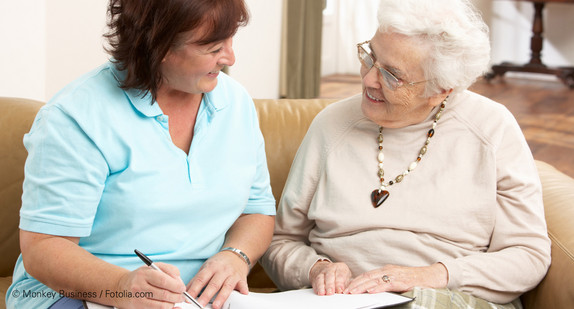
[284,123]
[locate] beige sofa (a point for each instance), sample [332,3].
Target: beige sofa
[284,123]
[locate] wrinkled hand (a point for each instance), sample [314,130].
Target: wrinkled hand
[220,274]
[162,290]
[399,279]
[329,278]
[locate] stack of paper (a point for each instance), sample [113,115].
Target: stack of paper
[305,298]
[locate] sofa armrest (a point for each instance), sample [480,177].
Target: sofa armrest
[555,290]
[16,117]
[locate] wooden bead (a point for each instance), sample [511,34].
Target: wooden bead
[378,196]
[423,150]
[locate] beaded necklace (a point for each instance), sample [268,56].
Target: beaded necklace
[378,196]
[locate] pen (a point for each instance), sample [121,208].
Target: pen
[150,263]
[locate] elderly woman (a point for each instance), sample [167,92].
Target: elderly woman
[416,185]
[156,150]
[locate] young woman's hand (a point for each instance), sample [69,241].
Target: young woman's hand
[150,288]
[219,275]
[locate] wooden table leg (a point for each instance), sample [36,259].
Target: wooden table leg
[535,65]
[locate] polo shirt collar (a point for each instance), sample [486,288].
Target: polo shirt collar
[141,100]
[214,101]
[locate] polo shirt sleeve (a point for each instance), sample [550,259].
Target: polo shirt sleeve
[65,175]
[261,198]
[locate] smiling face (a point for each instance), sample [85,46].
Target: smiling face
[191,68]
[403,57]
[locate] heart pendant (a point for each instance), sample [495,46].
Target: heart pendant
[378,197]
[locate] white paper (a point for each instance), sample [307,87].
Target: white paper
[90,305]
[297,299]
[306,298]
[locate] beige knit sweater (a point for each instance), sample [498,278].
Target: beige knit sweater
[474,202]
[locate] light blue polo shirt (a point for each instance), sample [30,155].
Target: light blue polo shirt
[101,166]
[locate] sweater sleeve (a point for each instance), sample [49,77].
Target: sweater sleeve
[518,256]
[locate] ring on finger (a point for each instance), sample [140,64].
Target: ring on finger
[386,278]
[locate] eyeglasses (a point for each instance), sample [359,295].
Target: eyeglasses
[391,81]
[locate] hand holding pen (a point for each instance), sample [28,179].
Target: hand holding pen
[150,263]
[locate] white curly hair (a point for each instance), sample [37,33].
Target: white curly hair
[453,32]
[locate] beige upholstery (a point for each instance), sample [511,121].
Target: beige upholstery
[283,123]
[557,288]
[16,116]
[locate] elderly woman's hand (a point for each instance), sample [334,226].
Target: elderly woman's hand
[329,278]
[393,278]
[220,274]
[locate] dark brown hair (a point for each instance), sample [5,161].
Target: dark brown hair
[142,32]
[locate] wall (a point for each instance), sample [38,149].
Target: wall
[258,49]
[73,40]
[23,49]
[48,43]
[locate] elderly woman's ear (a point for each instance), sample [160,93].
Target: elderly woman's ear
[440,97]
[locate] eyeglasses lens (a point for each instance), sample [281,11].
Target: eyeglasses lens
[367,60]
[390,80]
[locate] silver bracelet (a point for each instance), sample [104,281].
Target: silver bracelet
[240,253]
